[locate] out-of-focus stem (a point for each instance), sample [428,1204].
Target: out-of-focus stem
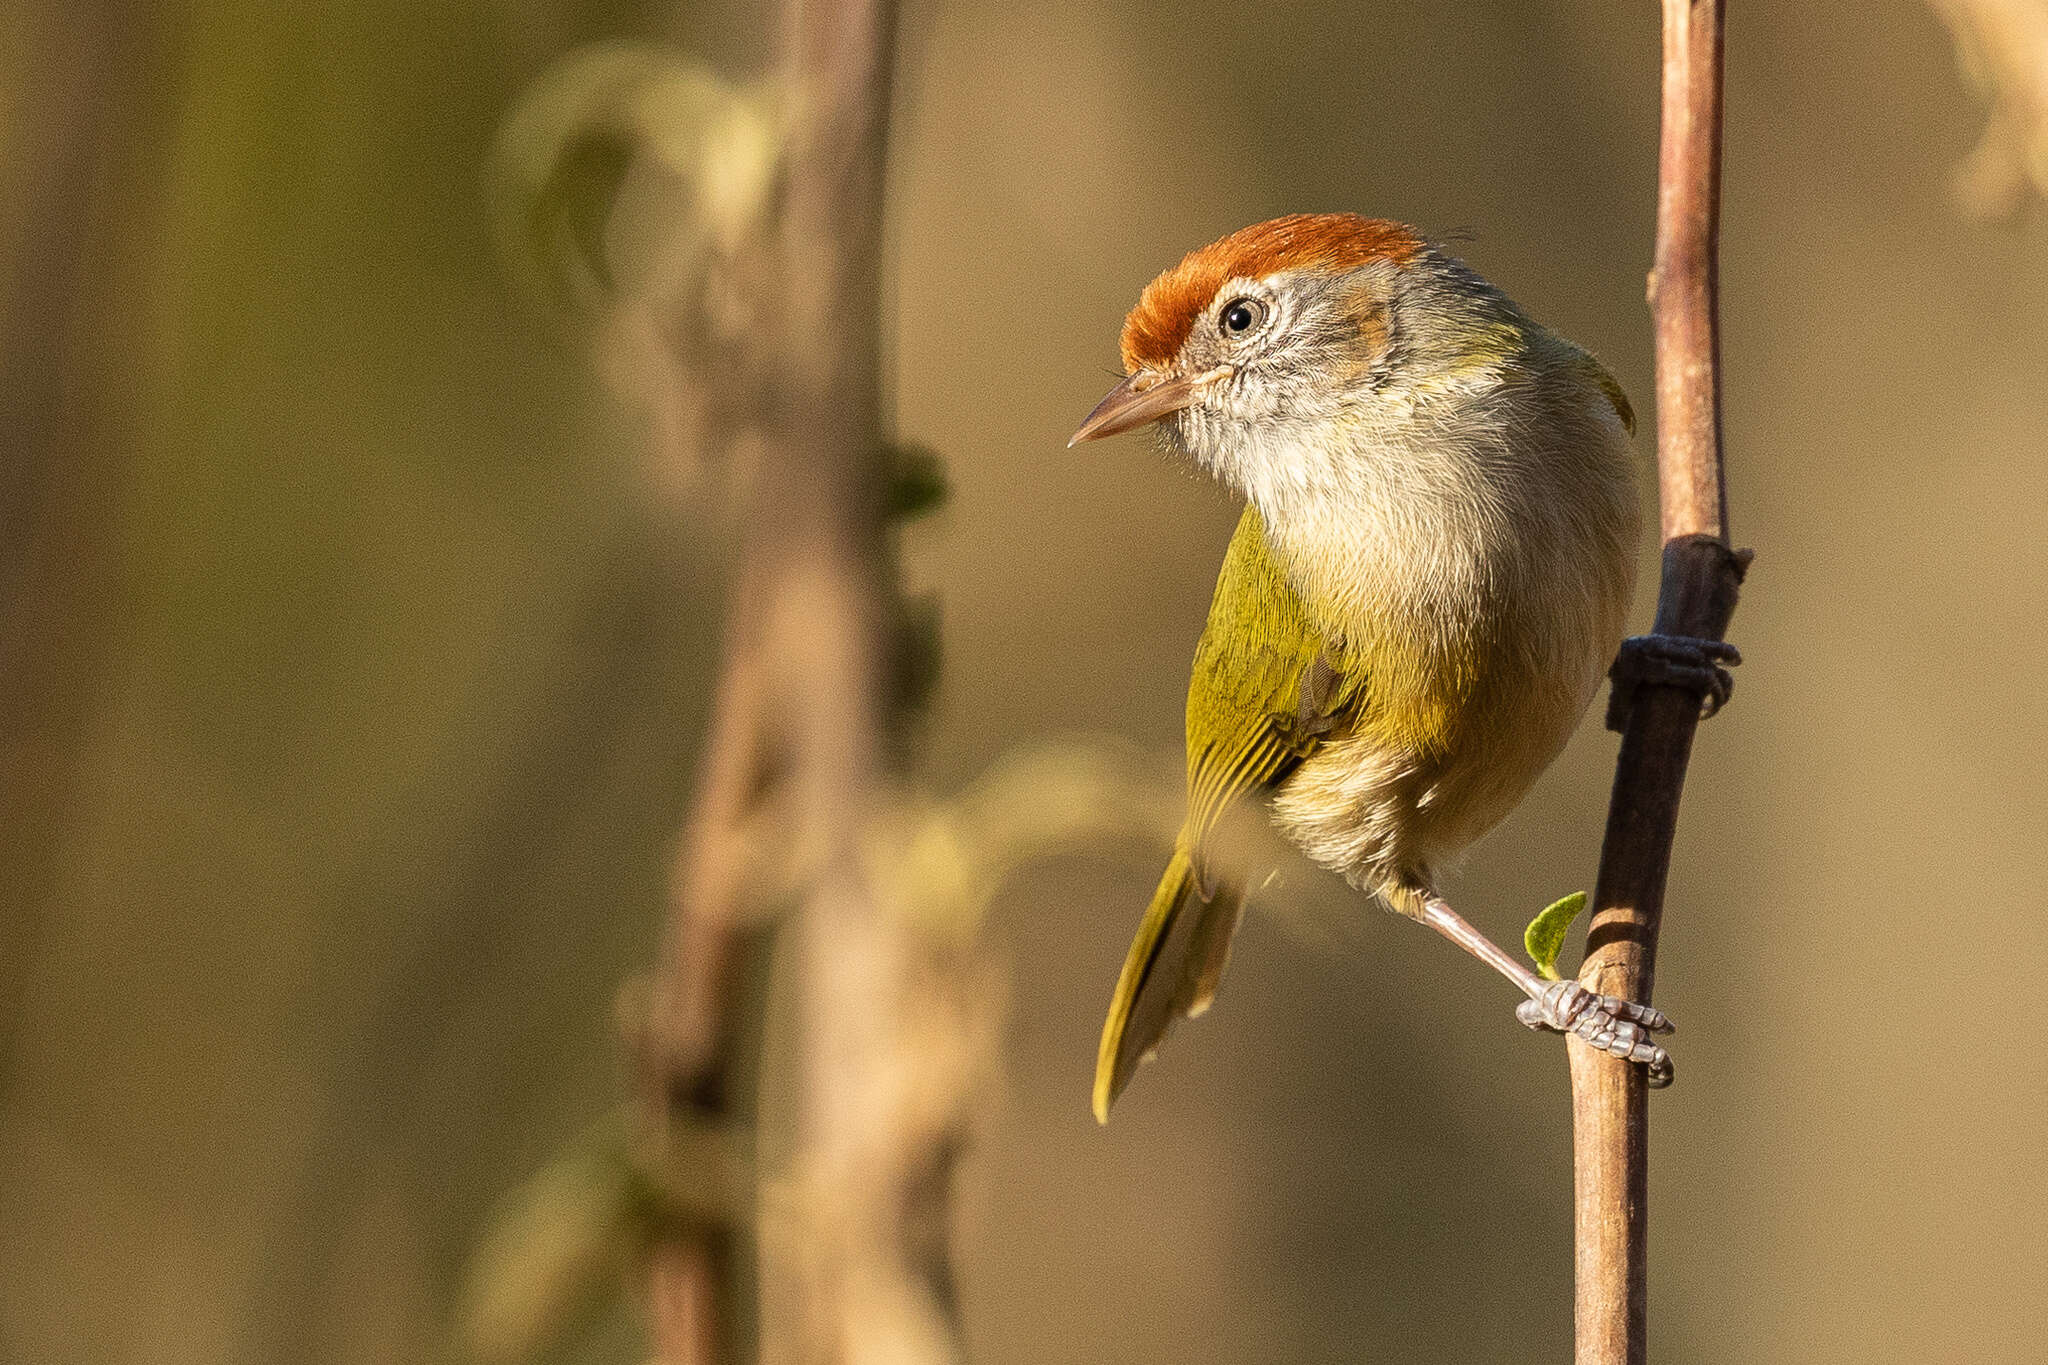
[796,760]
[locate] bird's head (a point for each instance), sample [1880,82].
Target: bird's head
[1261,338]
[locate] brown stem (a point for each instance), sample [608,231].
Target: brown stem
[1610,1116]
[80,123]
[795,767]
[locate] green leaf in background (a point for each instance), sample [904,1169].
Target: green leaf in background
[1544,938]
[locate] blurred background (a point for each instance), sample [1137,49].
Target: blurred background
[357,655]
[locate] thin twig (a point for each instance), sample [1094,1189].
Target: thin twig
[1610,1117]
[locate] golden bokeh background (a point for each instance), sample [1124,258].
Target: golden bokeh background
[359,656]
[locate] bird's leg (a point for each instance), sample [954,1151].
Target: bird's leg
[1619,1027]
[1698,666]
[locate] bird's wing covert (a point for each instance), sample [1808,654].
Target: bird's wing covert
[1267,689]
[1611,388]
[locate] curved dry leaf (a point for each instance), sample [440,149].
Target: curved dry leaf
[563,169]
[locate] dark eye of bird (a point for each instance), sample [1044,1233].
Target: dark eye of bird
[1241,316]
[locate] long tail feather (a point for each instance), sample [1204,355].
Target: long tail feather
[1171,972]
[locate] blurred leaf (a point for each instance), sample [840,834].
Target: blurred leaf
[552,1256]
[1544,938]
[573,204]
[570,145]
[948,859]
[917,481]
[919,651]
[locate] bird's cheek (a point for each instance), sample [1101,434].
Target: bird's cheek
[1215,443]
[1179,433]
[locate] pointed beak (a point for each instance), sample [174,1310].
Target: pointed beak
[1144,397]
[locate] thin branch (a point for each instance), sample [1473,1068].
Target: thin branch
[1610,1117]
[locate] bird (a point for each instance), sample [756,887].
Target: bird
[1428,582]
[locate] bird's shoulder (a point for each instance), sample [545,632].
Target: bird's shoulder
[1561,355]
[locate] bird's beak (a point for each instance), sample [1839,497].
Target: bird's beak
[1144,397]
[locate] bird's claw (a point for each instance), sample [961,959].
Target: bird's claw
[1698,666]
[1620,1028]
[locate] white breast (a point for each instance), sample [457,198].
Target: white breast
[1485,565]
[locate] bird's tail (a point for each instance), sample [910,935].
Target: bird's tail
[1172,970]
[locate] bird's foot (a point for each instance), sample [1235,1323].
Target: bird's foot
[1698,666]
[1618,1027]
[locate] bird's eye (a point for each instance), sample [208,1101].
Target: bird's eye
[1241,315]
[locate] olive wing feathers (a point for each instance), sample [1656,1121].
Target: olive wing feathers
[1267,689]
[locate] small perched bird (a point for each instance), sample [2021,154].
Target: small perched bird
[1428,581]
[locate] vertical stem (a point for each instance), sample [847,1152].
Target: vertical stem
[1610,1116]
[78,142]
[1684,292]
[798,756]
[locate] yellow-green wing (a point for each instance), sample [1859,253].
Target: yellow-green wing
[1609,386]
[1267,689]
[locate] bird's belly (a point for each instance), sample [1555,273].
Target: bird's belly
[1386,814]
[1478,656]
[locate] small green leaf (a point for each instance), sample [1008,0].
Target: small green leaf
[1544,938]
